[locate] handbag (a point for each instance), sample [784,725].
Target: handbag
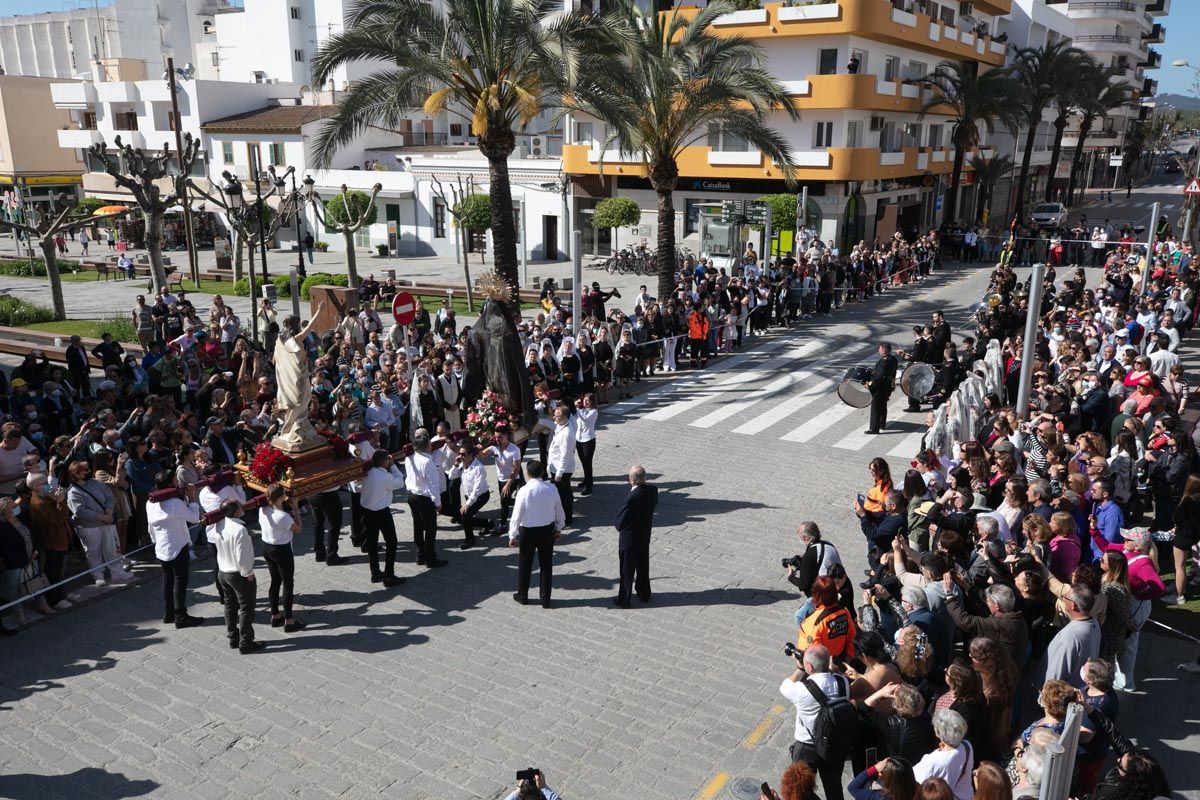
[33,579]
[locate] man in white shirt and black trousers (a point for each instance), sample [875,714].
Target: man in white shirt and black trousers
[168,522]
[378,486]
[537,522]
[423,479]
[474,492]
[508,474]
[235,571]
[813,667]
[560,460]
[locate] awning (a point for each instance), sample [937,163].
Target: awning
[103,210]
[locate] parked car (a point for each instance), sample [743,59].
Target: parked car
[1173,167]
[1049,215]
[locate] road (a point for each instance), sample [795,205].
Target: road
[444,687]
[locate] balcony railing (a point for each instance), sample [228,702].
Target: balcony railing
[1105,5]
[1104,37]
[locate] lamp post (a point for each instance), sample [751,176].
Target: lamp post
[294,201]
[258,202]
[235,204]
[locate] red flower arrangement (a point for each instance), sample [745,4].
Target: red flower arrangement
[269,464]
[341,448]
[486,417]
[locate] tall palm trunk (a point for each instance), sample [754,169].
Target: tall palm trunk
[1085,127]
[1019,207]
[351,258]
[50,256]
[664,176]
[1060,127]
[950,210]
[496,147]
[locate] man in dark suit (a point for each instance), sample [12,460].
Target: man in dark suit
[222,444]
[78,366]
[634,522]
[883,381]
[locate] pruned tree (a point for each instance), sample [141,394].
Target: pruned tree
[139,173]
[244,224]
[347,214]
[453,201]
[45,229]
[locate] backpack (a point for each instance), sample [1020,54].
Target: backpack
[834,729]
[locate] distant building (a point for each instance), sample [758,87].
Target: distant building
[34,170]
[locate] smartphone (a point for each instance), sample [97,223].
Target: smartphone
[862,500]
[527,774]
[872,756]
[765,789]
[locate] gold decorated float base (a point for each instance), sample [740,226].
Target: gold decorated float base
[312,472]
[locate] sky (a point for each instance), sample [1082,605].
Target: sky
[1181,24]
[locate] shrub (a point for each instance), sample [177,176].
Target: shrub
[23,269]
[16,313]
[616,212]
[283,285]
[120,326]
[474,212]
[241,287]
[321,279]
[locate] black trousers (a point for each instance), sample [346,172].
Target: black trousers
[282,566]
[470,520]
[831,773]
[452,498]
[699,350]
[56,561]
[356,523]
[506,503]
[540,541]
[240,592]
[375,523]
[424,514]
[175,583]
[327,523]
[566,494]
[635,570]
[878,412]
[586,451]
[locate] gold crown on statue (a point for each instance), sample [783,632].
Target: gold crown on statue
[491,286]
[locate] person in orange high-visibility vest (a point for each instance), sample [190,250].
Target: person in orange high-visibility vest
[698,337]
[829,624]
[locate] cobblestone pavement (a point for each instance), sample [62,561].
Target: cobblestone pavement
[444,687]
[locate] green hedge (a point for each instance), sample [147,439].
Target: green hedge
[283,284]
[22,268]
[241,288]
[322,279]
[16,313]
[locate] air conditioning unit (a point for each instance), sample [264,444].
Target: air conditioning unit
[965,10]
[537,146]
[877,123]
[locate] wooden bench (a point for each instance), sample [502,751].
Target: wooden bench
[169,274]
[104,268]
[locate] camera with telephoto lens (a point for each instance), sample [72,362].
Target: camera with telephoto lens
[791,651]
[793,562]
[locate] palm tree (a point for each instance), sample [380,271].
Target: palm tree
[1040,72]
[677,79]
[972,99]
[1108,97]
[988,172]
[1070,92]
[496,63]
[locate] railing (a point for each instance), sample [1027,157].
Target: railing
[1105,5]
[1105,37]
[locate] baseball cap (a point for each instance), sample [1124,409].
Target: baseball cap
[212,421]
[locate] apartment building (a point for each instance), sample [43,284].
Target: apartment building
[1120,34]
[33,169]
[872,164]
[65,44]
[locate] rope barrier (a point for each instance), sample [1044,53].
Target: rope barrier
[65,581]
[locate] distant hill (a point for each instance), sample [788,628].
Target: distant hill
[1183,102]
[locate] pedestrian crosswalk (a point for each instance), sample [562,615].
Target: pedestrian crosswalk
[786,394]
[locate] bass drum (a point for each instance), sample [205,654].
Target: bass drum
[917,381]
[853,389]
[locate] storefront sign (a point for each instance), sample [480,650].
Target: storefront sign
[719,185]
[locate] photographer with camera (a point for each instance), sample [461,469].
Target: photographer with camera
[826,721]
[814,562]
[531,785]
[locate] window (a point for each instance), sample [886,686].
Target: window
[439,219]
[89,121]
[827,61]
[275,152]
[226,152]
[891,68]
[455,129]
[295,12]
[935,136]
[298,55]
[216,58]
[861,55]
[823,135]
[125,121]
[854,133]
[915,70]
[724,142]
[888,140]
[583,133]
[910,134]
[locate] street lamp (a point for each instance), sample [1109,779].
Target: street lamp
[235,204]
[295,201]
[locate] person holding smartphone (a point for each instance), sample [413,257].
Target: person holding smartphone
[531,785]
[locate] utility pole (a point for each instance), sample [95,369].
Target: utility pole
[1150,237]
[177,125]
[1032,318]
[259,211]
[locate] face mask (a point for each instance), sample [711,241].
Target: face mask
[119,444]
[36,436]
[31,414]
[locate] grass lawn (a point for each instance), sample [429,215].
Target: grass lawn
[1184,618]
[88,328]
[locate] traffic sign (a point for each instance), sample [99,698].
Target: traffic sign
[1193,188]
[404,308]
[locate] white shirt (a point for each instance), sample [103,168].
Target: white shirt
[168,522]
[235,552]
[952,766]
[381,414]
[536,506]
[378,487]
[560,459]
[424,477]
[507,461]
[362,451]
[276,525]
[585,424]
[211,501]
[474,482]
[1161,362]
[806,705]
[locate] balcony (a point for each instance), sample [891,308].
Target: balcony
[1158,8]
[80,96]
[1157,34]
[878,20]
[117,92]
[1107,10]
[861,92]
[78,139]
[1152,60]
[1149,88]
[832,164]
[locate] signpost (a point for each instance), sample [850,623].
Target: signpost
[404,311]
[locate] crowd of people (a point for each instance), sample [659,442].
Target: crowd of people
[1013,562]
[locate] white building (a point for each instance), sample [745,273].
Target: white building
[65,44]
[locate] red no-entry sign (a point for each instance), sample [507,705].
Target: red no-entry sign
[404,308]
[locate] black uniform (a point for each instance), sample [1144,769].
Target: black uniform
[883,381]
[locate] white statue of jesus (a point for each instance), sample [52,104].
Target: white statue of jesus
[294,386]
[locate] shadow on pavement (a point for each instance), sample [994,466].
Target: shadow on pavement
[82,782]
